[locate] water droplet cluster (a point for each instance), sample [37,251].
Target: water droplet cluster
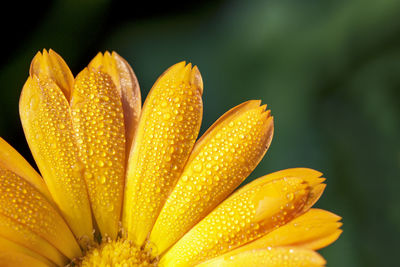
[219,164]
[167,131]
[98,123]
[48,128]
[247,215]
[27,216]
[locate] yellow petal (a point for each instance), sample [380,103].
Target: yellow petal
[27,218]
[51,66]
[13,231]
[10,159]
[312,177]
[313,225]
[46,119]
[128,87]
[312,230]
[248,214]
[167,130]
[99,127]
[271,257]
[323,241]
[13,254]
[223,157]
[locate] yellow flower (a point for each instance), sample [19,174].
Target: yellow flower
[125,185]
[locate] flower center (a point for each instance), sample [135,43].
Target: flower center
[118,253]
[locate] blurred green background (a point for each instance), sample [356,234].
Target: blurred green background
[329,70]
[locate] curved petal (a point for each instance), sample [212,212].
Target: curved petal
[308,230]
[167,130]
[13,254]
[312,177]
[51,66]
[46,119]
[128,87]
[223,157]
[11,160]
[271,257]
[248,214]
[12,230]
[313,230]
[27,218]
[98,122]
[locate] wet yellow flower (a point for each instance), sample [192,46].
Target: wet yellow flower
[125,185]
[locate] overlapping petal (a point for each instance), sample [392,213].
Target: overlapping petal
[98,122]
[313,230]
[29,219]
[12,254]
[271,257]
[51,66]
[11,160]
[222,158]
[293,241]
[101,157]
[46,119]
[250,213]
[127,85]
[167,130]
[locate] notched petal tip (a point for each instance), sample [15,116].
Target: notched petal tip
[51,66]
[97,61]
[182,72]
[126,84]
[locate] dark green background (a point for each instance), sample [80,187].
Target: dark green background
[329,70]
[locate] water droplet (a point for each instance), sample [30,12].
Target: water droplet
[198,167]
[110,207]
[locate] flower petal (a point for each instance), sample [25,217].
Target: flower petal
[11,160]
[323,241]
[167,130]
[98,122]
[223,157]
[248,214]
[271,257]
[313,230]
[13,254]
[51,66]
[12,230]
[312,177]
[46,119]
[128,87]
[27,218]
[307,229]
